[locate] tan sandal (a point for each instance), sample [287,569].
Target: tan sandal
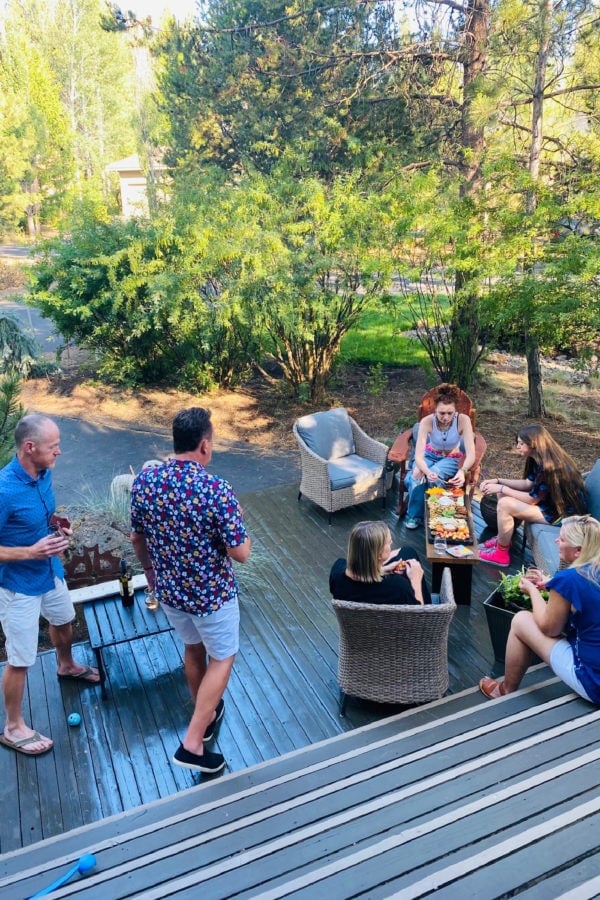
[491,688]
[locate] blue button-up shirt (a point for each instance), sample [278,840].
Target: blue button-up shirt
[26,504]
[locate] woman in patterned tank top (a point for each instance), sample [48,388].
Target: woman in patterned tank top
[444,437]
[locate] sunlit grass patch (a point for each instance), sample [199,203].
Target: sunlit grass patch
[379,339]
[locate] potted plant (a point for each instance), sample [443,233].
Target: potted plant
[500,607]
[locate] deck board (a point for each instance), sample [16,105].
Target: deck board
[282,695]
[455,802]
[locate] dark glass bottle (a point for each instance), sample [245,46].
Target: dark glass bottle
[125,585]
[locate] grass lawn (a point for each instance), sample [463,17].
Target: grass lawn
[381,339]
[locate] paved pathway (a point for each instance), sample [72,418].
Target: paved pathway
[93,454]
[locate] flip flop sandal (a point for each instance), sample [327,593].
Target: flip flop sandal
[21,745]
[81,676]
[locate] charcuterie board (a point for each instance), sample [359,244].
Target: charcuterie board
[447,516]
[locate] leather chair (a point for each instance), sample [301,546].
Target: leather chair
[402,450]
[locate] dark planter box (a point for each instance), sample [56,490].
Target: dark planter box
[499,620]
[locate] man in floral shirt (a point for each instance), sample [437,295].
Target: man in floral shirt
[187,526]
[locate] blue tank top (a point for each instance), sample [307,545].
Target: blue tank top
[444,441]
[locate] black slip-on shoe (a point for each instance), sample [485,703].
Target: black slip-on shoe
[209,763]
[210,728]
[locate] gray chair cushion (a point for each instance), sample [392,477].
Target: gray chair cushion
[343,473]
[592,483]
[328,434]
[546,548]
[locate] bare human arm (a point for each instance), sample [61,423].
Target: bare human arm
[466,431]
[414,573]
[518,488]
[51,545]
[550,617]
[420,467]
[140,548]
[241,552]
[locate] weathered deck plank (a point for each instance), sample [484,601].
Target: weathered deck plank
[282,696]
[480,800]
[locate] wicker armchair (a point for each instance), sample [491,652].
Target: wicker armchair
[341,465]
[394,654]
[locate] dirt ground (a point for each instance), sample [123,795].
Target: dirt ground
[263,414]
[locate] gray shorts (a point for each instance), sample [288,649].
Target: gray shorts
[20,617]
[562,662]
[219,631]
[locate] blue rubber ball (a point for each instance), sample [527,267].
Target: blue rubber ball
[74,719]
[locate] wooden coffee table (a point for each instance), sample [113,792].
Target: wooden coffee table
[460,568]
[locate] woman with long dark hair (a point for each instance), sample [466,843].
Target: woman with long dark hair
[551,488]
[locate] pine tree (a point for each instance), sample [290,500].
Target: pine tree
[10,413]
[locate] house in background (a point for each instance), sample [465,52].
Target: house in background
[134,184]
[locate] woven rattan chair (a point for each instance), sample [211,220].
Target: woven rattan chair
[394,654]
[341,465]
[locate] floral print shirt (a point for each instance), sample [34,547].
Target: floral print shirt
[189,518]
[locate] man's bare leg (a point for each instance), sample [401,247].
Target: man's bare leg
[62,640]
[208,695]
[15,728]
[195,663]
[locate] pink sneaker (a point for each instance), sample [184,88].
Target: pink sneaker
[495,556]
[491,542]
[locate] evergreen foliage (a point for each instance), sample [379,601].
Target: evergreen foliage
[10,413]
[18,351]
[314,150]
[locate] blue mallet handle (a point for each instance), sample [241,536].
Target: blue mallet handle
[85,864]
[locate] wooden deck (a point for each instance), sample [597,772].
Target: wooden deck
[463,797]
[282,697]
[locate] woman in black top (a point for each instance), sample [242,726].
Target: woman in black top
[374,574]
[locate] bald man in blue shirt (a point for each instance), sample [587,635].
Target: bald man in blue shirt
[31,575]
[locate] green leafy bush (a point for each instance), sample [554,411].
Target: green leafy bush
[147,300]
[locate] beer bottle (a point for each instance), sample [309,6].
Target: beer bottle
[125,585]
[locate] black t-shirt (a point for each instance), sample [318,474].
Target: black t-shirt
[393,588]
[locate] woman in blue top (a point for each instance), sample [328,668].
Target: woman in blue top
[551,488]
[565,632]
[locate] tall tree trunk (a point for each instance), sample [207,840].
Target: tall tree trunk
[465,332]
[534,380]
[536,406]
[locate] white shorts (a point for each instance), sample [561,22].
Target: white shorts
[219,631]
[562,662]
[20,617]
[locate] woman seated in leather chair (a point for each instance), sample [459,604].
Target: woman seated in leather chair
[444,437]
[374,573]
